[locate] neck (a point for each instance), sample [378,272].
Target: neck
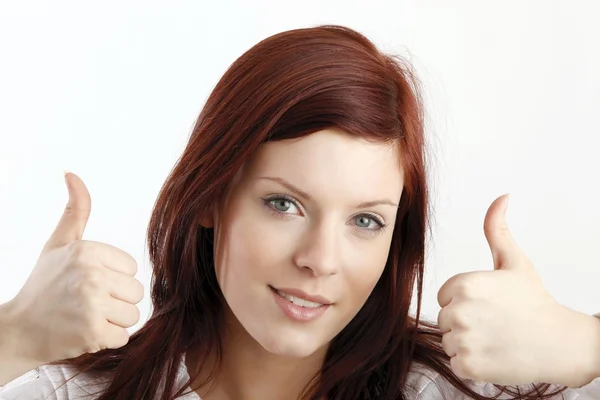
[248,371]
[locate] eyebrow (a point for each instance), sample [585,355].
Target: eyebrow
[305,195]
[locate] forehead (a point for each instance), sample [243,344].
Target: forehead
[332,160]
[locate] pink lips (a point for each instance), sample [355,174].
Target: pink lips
[305,296]
[299,313]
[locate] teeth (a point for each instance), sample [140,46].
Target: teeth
[298,301]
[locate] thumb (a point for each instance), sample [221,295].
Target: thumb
[75,216]
[505,251]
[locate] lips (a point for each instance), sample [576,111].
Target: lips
[301,298]
[300,306]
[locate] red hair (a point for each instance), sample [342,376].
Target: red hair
[289,85]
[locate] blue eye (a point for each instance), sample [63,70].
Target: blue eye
[365,221]
[284,206]
[281,204]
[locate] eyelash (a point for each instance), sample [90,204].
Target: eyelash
[267,201]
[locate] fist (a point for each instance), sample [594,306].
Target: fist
[502,325]
[81,295]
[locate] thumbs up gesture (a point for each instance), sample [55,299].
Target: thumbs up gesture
[81,295]
[503,326]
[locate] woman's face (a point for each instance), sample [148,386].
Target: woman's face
[304,217]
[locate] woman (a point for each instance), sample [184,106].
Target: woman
[286,245]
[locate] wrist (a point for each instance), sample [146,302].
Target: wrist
[14,357]
[583,349]
[9,333]
[595,352]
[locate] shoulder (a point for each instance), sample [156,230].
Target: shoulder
[52,382]
[425,384]
[421,379]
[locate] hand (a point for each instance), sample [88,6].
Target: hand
[503,326]
[81,295]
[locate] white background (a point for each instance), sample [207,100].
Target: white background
[110,90]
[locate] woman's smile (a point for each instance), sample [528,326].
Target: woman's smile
[299,308]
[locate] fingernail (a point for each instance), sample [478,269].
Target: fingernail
[506,202]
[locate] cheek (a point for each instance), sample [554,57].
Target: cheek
[364,271]
[253,249]
[362,281]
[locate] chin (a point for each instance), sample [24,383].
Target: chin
[291,345]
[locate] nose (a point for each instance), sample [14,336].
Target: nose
[319,249]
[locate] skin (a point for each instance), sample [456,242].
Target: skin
[498,325]
[319,242]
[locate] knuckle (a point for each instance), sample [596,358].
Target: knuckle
[139,288]
[464,367]
[77,250]
[117,338]
[467,287]
[136,315]
[88,280]
[446,344]
[441,317]
[123,338]
[469,368]
[92,277]
[131,316]
[133,266]
[129,264]
[463,345]
[460,318]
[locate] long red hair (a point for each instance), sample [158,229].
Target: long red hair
[289,85]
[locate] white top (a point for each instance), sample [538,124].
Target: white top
[41,384]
